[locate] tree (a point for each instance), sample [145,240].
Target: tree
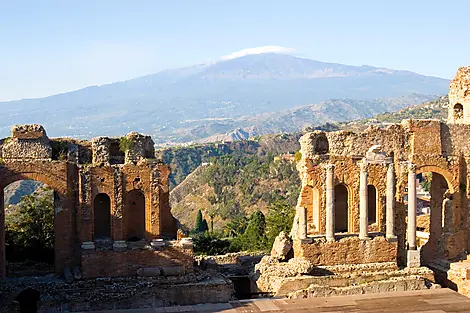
[205,227]
[29,228]
[280,218]
[199,225]
[254,237]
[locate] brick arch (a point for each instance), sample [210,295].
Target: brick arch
[59,186]
[63,221]
[453,187]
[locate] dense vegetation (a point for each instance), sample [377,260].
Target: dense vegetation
[29,228]
[256,233]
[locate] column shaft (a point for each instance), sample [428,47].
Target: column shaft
[363,202]
[302,222]
[390,215]
[412,207]
[330,203]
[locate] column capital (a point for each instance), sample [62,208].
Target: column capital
[329,167]
[411,168]
[364,165]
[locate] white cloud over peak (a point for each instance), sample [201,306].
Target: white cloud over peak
[257,50]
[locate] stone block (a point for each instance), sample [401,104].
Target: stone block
[173,270]
[413,258]
[186,243]
[119,245]
[281,246]
[28,142]
[149,272]
[88,245]
[28,131]
[157,244]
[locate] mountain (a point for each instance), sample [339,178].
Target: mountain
[296,119]
[169,103]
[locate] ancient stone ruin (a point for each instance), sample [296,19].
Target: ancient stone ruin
[358,202]
[111,202]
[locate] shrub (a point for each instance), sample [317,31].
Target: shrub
[210,244]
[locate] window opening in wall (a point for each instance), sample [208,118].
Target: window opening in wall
[458,111]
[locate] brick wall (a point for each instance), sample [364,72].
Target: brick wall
[126,263]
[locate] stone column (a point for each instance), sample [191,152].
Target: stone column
[330,202]
[363,202]
[302,222]
[412,207]
[390,215]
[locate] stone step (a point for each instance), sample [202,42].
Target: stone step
[345,279]
[354,268]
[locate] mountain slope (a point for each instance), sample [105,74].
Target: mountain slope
[164,103]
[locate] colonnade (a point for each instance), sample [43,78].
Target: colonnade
[363,204]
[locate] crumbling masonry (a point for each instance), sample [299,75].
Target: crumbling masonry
[358,201]
[112,213]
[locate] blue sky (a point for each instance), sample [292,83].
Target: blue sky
[48,47]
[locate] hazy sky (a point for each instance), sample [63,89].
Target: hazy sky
[48,47]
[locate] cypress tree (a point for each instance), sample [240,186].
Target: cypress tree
[199,226]
[205,227]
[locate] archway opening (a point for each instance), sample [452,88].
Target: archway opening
[371,205]
[102,217]
[341,209]
[458,111]
[135,203]
[29,208]
[433,213]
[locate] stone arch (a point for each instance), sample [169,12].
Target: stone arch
[63,206]
[436,245]
[135,215]
[341,208]
[443,172]
[102,217]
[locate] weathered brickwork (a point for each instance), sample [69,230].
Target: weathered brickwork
[83,175]
[127,263]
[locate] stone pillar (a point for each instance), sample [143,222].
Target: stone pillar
[412,207]
[302,222]
[330,202]
[390,215]
[363,202]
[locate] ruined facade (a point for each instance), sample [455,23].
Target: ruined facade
[358,199]
[112,213]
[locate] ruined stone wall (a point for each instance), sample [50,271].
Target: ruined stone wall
[126,263]
[394,138]
[459,97]
[349,250]
[106,294]
[28,142]
[142,147]
[168,223]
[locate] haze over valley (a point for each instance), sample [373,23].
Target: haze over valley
[231,99]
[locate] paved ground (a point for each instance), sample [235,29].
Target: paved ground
[423,301]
